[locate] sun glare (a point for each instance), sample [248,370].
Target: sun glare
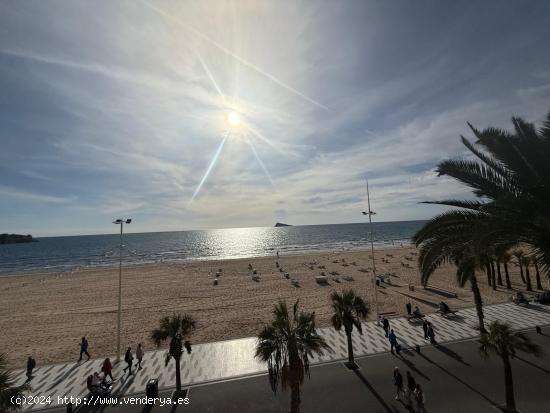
[234,119]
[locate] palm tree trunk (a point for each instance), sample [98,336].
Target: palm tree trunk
[507,276]
[521,272]
[528,279]
[351,360]
[537,275]
[178,375]
[499,275]
[493,278]
[295,397]
[488,272]
[478,302]
[509,384]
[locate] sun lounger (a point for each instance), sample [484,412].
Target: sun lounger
[321,279]
[295,282]
[256,278]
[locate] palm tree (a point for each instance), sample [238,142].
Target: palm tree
[8,389]
[286,346]
[519,256]
[510,176]
[537,274]
[175,329]
[505,259]
[501,341]
[499,274]
[526,261]
[349,309]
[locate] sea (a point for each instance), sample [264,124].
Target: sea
[61,254]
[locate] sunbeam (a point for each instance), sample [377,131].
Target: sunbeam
[210,167]
[260,161]
[210,76]
[234,56]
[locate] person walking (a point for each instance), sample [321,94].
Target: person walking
[398,383]
[107,369]
[385,325]
[128,358]
[393,341]
[139,356]
[420,399]
[409,308]
[31,364]
[84,348]
[411,387]
[425,328]
[431,334]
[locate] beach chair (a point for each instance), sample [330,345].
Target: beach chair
[295,282]
[321,279]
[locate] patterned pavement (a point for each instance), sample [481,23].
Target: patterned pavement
[234,358]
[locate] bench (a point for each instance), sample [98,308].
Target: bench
[441,291]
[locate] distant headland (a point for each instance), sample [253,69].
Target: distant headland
[280,224]
[15,238]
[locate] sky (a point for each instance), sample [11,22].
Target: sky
[119,109]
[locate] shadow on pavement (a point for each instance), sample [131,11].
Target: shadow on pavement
[532,364]
[375,393]
[459,380]
[447,351]
[412,367]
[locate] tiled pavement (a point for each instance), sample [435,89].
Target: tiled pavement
[226,359]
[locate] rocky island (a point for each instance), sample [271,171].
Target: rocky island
[15,238]
[280,224]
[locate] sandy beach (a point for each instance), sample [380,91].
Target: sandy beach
[46,314]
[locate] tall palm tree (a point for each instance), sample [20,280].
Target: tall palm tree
[8,389]
[505,259]
[526,261]
[349,309]
[537,273]
[175,329]
[499,274]
[286,346]
[510,176]
[501,341]
[519,256]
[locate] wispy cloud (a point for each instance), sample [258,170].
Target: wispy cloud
[117,109]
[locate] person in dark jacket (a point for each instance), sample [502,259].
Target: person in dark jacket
[128,358]
[386,325]
[398,383]
[411,386]
[84,348]
[409,308]
[393,342]
[107,369]
[425,328]
[31,364]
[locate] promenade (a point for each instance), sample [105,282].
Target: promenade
[224,360]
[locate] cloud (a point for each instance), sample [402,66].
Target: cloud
[121,112]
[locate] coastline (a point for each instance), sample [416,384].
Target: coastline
[380,245]
[45,314]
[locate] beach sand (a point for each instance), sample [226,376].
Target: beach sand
[46,314]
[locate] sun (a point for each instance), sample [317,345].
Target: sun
[234,119]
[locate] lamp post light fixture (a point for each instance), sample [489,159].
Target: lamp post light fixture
[120,222]
[370,213]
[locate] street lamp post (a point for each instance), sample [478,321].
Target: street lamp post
[370,213]
[120,222]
